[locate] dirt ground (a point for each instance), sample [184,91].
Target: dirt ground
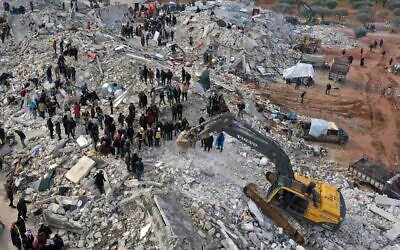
[372,121]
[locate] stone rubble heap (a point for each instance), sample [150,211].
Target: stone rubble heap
[187,200]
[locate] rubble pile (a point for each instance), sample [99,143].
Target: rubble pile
[186,200]
[330,36]
[262,49]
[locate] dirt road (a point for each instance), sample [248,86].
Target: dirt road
[371,121]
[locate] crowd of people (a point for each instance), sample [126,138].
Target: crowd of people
[23,238]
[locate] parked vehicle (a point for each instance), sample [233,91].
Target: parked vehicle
[324,131]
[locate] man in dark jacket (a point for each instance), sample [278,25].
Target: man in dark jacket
[139,169]
[22,209]
[10,189]
[99,181]
[208,143]
[58,129]
[50,125]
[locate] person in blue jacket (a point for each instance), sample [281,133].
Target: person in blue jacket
[219,142]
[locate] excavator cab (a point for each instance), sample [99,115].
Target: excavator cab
[322,204]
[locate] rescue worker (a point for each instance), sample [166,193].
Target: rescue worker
[157,137]
[142,137]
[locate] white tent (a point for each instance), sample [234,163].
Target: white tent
[299,70]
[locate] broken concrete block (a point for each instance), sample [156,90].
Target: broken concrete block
[383,213]
[82,141]
[384,200]
[80,169]
[59,221]
[144,231]
[393,233]
[256,212]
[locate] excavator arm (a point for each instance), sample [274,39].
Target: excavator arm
[229,124]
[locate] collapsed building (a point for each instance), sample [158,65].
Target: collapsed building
[190,200]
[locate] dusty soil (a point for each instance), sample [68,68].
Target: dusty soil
[372,121]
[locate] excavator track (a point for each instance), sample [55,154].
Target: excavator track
[255,193]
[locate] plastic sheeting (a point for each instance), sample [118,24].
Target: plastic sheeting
[318,127]
[298,71]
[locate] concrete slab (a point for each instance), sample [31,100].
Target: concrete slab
[384,200]
[393,233]
[113,16]
[256,212]
[383,213]
[80,169]
[180,224]
[62,222]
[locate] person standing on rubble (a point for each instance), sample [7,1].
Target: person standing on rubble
[22,137]
[163,76]
[10,190]
[183,74]
[50,126]
[139,169]
[208,143]
[219,142]
[145,74]
[77,112]
[169,76]
[31,5]
[362,61]
[58,129]
[142,39]
[22,209]
[185,90]
[142,137]
[49,74]
[55,47]
[157,137]
[99,181]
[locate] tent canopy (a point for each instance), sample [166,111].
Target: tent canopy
[298,71]
[321,127]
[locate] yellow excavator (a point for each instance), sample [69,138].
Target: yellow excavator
[290,193]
